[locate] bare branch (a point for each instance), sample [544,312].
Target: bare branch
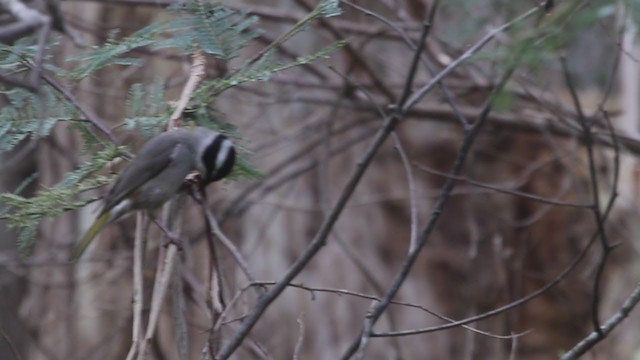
[595,337]
[359,345]
[314,289]
[298,347]
[405,37]
[195,77]
[357,57]
[139,246]
[595,207]
[91,117]
[28,20]
[504,190]
[319,240]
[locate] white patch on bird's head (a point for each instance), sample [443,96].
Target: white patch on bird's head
[223,153]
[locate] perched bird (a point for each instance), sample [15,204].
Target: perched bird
[159,170]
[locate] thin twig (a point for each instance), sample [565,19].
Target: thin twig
[359,345]
[512,305]
[196,75]
[455,108]
[242,203]
[164,271]
[157,298]
[217,232]
[28,19]
[595,193]
[314,289]
[217,305]
[403,157]
[167,258]
[179,313]
[96,121]
[521,122]
[504,190]
[341,243]
[12,345]
[356,56]
[595,337]
[325,229]
[298,347]
[562,275]
[139,246]
[418,95]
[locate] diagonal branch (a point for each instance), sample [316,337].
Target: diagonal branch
[195,77]
[325,229]
[360,344]
[595,206]
[596,336]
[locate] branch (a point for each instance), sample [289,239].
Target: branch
[313,290]
[163,274]
[159,293]
[195,77]
[325,229]
[407,40]
[91,117]
[359,345]
[595,337]
[504,190]
[357,57]
[139,247]
[28,20]
[595,207]
[465,56]
[511,121]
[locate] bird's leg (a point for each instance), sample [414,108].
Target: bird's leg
[173,237]
[195,187]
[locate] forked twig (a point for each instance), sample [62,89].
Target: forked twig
[325,229]
[164,272]
[595,193]
[595,337]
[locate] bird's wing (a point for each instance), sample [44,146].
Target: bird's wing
[143,168]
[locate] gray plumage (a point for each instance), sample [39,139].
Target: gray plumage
[159,171]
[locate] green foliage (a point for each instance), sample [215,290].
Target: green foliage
[224,31]
[21,117]
[99,160]
[147,110]
[13,57]
[262,70]
[26,213]
[212,28]
[112,53]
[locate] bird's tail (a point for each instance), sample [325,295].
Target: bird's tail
[100,223]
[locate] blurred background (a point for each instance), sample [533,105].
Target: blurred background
[561,136]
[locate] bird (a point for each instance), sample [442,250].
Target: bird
[159,171]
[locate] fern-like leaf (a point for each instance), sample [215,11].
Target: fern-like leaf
[21,119]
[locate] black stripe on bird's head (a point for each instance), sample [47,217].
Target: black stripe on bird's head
[218,158]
